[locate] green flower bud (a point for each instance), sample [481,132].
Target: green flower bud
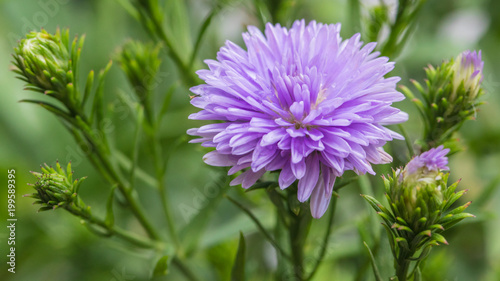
[140,62]
[55,188]
[420,201]
[48,64]
[44,62]
[450,99]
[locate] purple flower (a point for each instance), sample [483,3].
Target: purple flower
[433,160]
[299,100]
[468,69]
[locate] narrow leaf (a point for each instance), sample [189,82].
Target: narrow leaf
[110,218]
[193,232]
[88,87]
[238,271]
[161,267]
[260,227]
[376,272]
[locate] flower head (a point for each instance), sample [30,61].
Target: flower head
[468,69]
[433,160]
[299,100]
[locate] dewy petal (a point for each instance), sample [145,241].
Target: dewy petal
[304,102]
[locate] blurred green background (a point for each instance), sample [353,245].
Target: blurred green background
[55,246]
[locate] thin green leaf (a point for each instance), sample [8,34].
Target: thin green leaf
[129,8]
[97,106]
[323,247]
[344,182]
[260,227]
[166,103]
[409,145]
[238,271]
[161,267]
[439,238]
[194,230]
[110,217]
[135,145]
[376,272]
[126,164]
[177,27]
[262,185]
[88,87]
[52,108]
[199,38]
[487,193]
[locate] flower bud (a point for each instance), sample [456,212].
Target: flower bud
[420,185]
[43,60]
[55,188]
[451,98]
[468,74]
[140,62]
[420,203]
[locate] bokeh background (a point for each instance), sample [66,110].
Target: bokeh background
[55,246]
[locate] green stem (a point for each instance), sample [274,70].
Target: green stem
[168,214]
[280,234]
[199,38]
[184,70]
[355,18]
[184,269]
[402,266]
[160,167]
[110,173]
[298,231]
[402,25]
[260,227]
[333,206]
[407,140]
[117,231]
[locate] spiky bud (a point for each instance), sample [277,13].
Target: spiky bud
[450,98]
[48,64]
[420,202]
[55,188]
[140,62]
